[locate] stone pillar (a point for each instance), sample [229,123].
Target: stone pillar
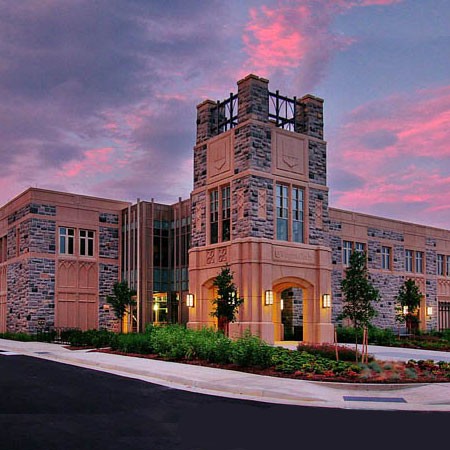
[205,120]
[309,116]
[253,98]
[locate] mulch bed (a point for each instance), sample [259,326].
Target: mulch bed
[397,375]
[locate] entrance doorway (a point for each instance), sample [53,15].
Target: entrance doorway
[292,314]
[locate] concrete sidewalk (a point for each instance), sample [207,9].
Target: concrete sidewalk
[227,383]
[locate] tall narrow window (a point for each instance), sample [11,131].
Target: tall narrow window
[419,262]
[346,252]
[297,214]
[66,240]
[448,266]
[440,265]
[214,216]
[408,260]
[282,212]
[86,243]
[226,213]
[386,258]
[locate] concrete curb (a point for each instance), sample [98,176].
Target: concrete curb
[242,385]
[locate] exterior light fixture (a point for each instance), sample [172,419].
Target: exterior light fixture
[190,300]
[429,310]
[269,298]
[405,310]
[281,304]
[326,301]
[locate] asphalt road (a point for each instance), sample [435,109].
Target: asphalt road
[48,405]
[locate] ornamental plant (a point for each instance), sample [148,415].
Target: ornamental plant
[408,302]
[122,300]
[227,301]
[359,294]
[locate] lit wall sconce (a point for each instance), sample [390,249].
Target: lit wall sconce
[326,301]
[190,300]
[405,310]
[269,298]
[429,310]
[281,304]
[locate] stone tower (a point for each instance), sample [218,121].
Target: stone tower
[260,205]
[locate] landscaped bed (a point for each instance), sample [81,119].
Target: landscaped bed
[249,354]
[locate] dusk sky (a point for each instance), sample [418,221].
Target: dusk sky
[99,97]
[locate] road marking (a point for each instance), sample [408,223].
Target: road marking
[349,398]
[6,353]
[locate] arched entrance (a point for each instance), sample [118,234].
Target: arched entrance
[292,312]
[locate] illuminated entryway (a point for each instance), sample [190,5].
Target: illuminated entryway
[292,314]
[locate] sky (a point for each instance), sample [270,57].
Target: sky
[98,97]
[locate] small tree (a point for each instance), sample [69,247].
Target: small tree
[359,294]
[227,302]
[408,302]
[122,300]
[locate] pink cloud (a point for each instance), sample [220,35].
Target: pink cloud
[94,161]
[296,38]
[399,147]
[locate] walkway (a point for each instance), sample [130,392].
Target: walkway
[412,397]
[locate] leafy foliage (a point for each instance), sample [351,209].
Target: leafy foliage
[359,293]
[408,298]
[227,302]
[122,299]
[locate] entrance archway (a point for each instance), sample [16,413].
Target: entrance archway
[292,313]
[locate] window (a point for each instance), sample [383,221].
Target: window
[219,217]
[297,214]
[226,213]
[214,216]
[86,243]
[440,265]
[290,222]
[408,260]
[282,212]
[448,266]
[419,262]
[347,249]
[386,258]
[346,252]
[66,241]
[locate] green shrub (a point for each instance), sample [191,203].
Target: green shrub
[90,338]
[251,351]
[17,337]
[132,343]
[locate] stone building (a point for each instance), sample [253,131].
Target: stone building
[259,205]
[59,260]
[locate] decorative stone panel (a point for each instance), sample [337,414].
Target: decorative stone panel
[318,218]
[108,242]
[198,206]
[108,275]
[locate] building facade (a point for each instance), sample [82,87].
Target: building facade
[259,205]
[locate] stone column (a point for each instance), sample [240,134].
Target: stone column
[205,120]
[309,116]
[253,98]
